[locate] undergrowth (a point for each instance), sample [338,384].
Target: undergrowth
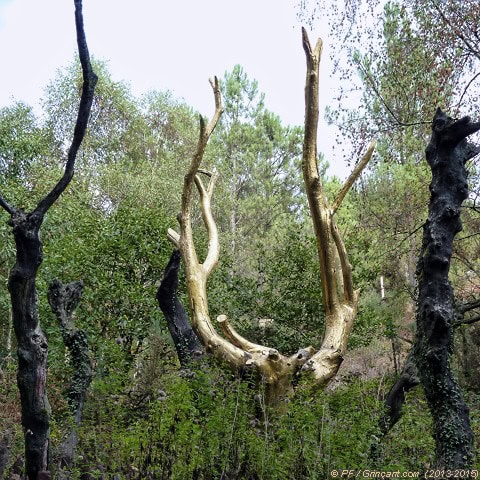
[207,424]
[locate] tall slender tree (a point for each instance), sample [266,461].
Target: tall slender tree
[32,342]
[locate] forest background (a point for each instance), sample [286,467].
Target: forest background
[144,416]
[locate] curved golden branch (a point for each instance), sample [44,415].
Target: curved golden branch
[356,172]
[187,246]
[346,267]
[237,339]
[213,241]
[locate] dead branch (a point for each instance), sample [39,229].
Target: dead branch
[357,171]
[276,370]
[340,308]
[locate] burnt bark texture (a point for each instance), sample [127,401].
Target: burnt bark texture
[394,402]
[409,379]
[446,154]
[186,342]
[63,300]
[5,446]
[32,343]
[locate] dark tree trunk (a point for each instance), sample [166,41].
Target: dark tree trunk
[5,447]
[396,396]
[186,342]
[395,400]
[447,153]
[408,379]
[64,300]
[32,344]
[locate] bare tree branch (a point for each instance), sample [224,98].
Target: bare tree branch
[377,92]
[311,174]
[457,32]
[213,242]
[467,306]
[89,82]
[6,206]
[346,267]
[465,90]
[467,321]
[174,237]
[187,344]
[186,238]
[236,338]
[357,171]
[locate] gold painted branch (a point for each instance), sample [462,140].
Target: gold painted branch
[356,172]
[340,298]
[213,252]
[275,370]
[236,338]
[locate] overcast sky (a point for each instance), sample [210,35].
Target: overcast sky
[166,45]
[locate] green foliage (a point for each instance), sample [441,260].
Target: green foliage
[257,158]
[112,119]
[22,141]
[208,425]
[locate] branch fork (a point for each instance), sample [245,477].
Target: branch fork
[275,370]
[340,297]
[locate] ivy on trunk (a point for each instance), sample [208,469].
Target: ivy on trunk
[63,300]
[446,154]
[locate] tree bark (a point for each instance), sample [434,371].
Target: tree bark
[395,400]
[408,379]
[63,300]
[186,342]
[447,153]
[32,344]
[339,297]
[5,447]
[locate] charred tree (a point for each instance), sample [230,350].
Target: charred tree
[63,300]
[446,154]
[186,342]
[394,402]
[5,447]
[408,379]
[32,343]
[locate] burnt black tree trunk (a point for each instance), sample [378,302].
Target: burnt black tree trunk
[186,342]
[5,446]
[63,300]
[394,402]
[408,379]
[446,154]
[32,343]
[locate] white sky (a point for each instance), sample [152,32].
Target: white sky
[175,45]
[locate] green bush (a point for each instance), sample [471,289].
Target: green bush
[206,424]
